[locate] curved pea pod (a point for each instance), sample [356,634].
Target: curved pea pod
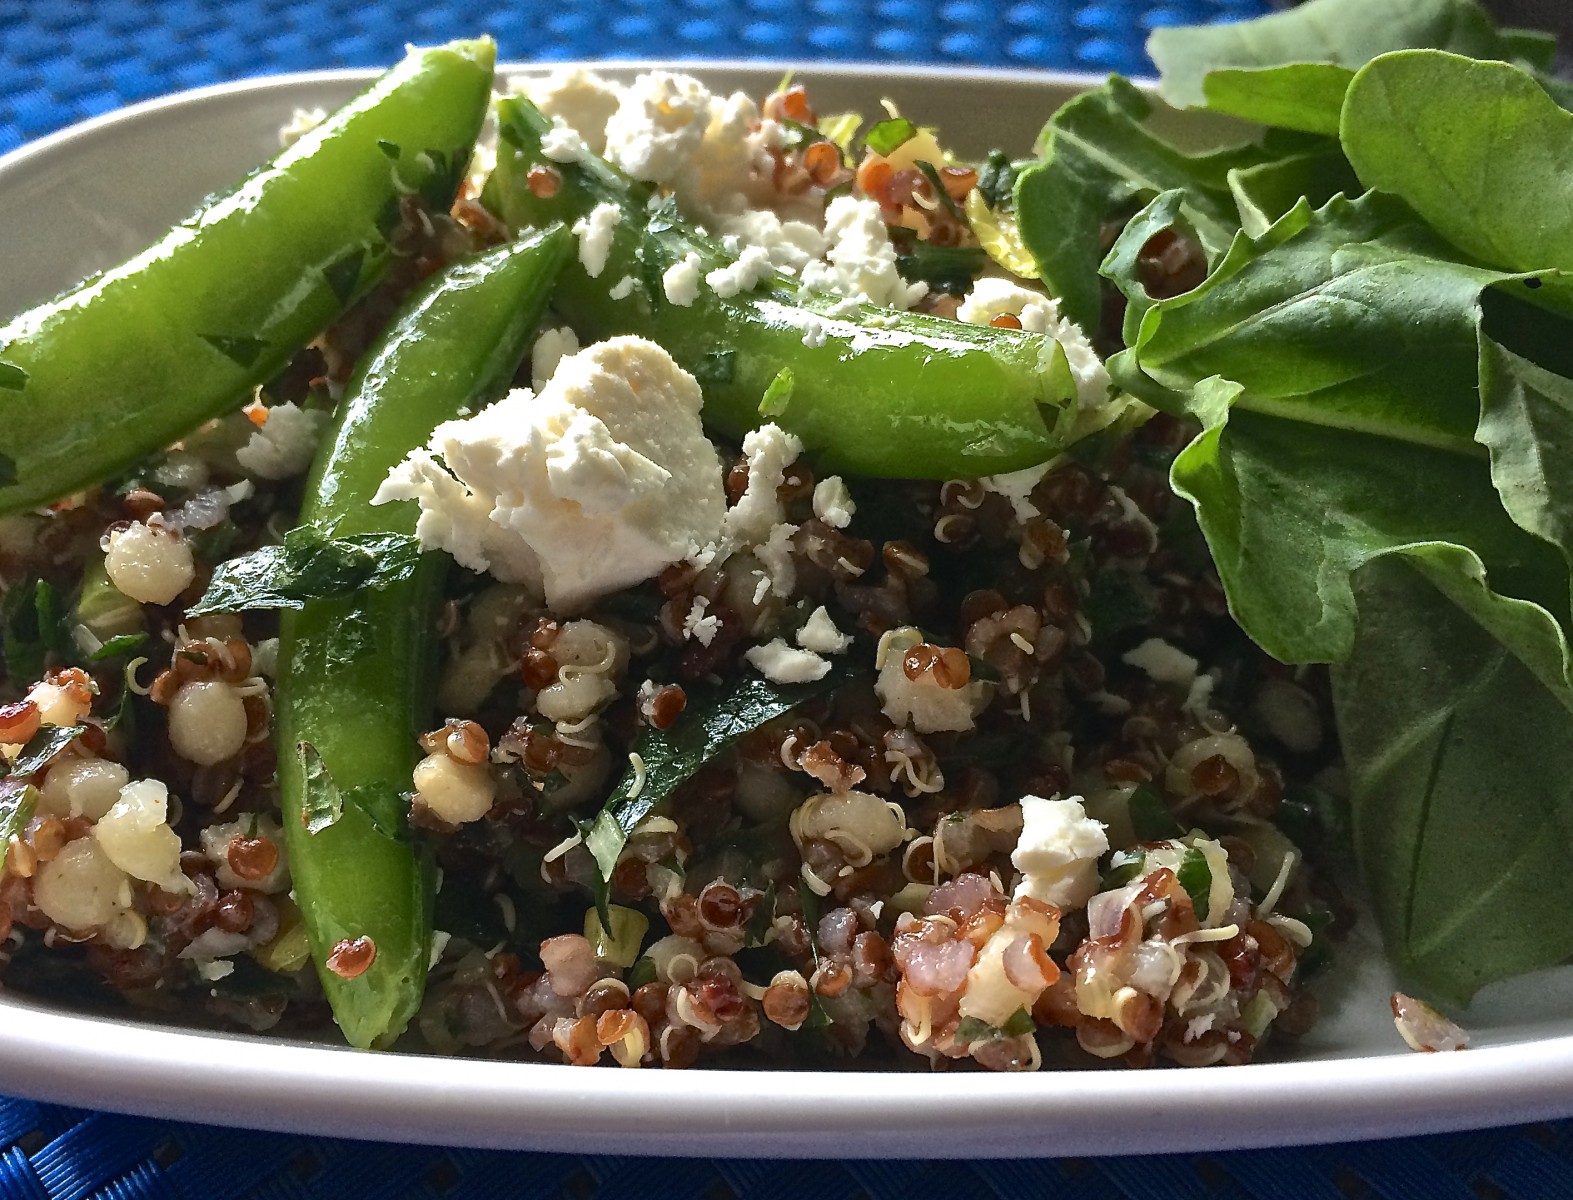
[873,391]
[356,673]
[135,358]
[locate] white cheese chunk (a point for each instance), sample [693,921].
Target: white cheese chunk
[285,443]
[594,232]
[833,502]
[770,450]
[680,281]
[598,483]
[1162,662]
[860,262]
[1058,851]
[550,348]
[562,143]
[753,267]
[580,99]
[781,663]
[819,634]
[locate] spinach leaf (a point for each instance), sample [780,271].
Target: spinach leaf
[1460,762]
[1196,877]
[1526,421]
[1307,96]
[1342,34]
[1478,149]
[714,718]
[120,644]
[1268,191]
[310,565]
[1099,163]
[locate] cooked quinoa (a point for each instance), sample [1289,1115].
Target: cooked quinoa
[1043,802]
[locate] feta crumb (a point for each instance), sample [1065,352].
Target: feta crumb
[562,143]
[1200,696]
[580,99]
[819,634]
[860,263]
[300,124]
[770,451]
[680,281]
[815,333]
[595,237]
[659,124]
[775,555]
[599,482]
[1058,851]
[1162,662]
[752,268]
[833,502]
[780,663]
[992,297]
[791,245]
[549,350]
[623,288]
[922,702]
[698,626]
[1016,486]
[285,443]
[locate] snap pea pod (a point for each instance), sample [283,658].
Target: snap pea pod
[139,356]
[355,679]
[878,392]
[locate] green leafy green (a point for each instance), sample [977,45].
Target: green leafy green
[1526,421]
[310,565]
[117,646]
[1268,191]
[1462,775]
[1477,149]
[713,719]
[17,801]
[944,268]
[773,403]
[325,801]
[32,629]
[1287,66]
[1151,819]
[997,179]
[1196,877]
[41,748]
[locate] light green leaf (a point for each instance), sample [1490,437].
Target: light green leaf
[1478,149]
[1267,192]
[1305,96]
[1462,830]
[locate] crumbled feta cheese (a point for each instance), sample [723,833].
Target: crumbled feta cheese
[680,281]
[992,297]
[1162,662]
[1016,486]
[770,451]
[1058,851]
[698,626]
[660,121]
[549,350]
[1200,696]
[300,124]
[922,702]
[598,483]
[775,555]
[860,262]
[285,443]
[595,237]
[562,143]
[815,333]
[752,268]
[623,288]
[791,245]
[580,99]
[781,663]
[819,634]
[833,502]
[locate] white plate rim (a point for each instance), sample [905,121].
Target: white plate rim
[317,1089]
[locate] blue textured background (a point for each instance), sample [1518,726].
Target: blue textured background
[61,61]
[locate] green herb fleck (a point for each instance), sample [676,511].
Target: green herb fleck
[718,366]
[1196,877]
[777,395]
[343,276]
[886,137]
[17,801]
[323,804]
[391,149]
[996,178]
[116,646]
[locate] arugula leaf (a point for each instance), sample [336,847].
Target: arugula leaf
[1342,34]
[1478,149]
[1099,163]
[714,718]
[1268,191]
[17,801]
[1461,833]
[310,565]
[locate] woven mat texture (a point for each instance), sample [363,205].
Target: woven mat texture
[63,60]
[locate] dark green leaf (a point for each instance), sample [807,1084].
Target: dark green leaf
[931,173]
[714,718]
[1461,767]
[343,275]
[1018,1024]
[1267,192]
[12,377]
[124,643]
[889,135]
[17,801]
[32,629]
[1478,149]
[777,395]
[1526,421]
[42,748]
[817,1017]
[242,351]
[641,973]
[1151,819]
[1125,867]
[322,804]
[983,669]
[1099,165]
[391,149]
[1345,33]
[764,916]
[1303,96]
[1196,877]
[310,565]
[974,1029]
[997,178]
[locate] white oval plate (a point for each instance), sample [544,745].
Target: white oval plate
[91,196]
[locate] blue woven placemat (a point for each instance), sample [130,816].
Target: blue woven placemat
[62,60]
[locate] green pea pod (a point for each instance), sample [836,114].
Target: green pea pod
[355,679]
[135,358]
[877,393]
